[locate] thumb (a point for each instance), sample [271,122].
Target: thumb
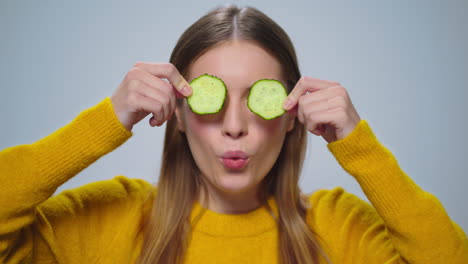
[178,94]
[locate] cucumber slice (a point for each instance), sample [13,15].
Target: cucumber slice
[266,98]
[208,94]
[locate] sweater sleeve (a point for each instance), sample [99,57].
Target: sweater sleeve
[31,173]
[405,224]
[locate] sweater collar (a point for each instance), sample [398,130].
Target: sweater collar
[252,223]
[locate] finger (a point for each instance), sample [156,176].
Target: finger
[151,106]
[314,120]
[168,97]
[316,107]
[323,94]
[158,96]
[304,85]
[154,83]
[323,105]
[168,71]
[137,73]
[307,108]
[300,113]
[294,111]
[319,130]
[308,105]
[153,121]
[178,94]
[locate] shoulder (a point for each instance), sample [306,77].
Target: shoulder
[120,187]
[120,190]
[347,225]
[335,207]
[335,196]
[93,211]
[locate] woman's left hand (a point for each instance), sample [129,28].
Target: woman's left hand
[324,108]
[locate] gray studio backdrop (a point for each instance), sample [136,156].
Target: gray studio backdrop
[404,64]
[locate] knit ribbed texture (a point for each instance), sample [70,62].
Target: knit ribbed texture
[99,222]
[375,167]
[69,146]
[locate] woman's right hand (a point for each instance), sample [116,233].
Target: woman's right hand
[143,91]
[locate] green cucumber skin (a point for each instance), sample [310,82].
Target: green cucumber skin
[224,100]
[250,94]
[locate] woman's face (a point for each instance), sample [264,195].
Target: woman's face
[211,137]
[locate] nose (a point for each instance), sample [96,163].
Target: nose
[235,119]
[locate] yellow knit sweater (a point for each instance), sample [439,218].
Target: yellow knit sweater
[98,222]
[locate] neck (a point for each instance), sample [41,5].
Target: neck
[229,203]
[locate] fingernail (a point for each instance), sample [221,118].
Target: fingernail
[287,104]
[186,91]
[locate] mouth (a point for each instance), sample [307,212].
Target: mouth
[235,160]
[234,163]
[235,154]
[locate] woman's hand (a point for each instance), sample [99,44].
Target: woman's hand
[324,108]
[143,91]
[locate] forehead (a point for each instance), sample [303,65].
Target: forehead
[239,63]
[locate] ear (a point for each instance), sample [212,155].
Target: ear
[180,122]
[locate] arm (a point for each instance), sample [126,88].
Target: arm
[30,174]
[417,224]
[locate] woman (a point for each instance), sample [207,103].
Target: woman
[228,188]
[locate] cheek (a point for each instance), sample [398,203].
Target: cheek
[272,135]
[199,126]
[265,137]
[270,138]
[274,128]
[200,135]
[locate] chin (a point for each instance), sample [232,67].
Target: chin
[235,183]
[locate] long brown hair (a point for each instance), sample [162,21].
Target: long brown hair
[168,228]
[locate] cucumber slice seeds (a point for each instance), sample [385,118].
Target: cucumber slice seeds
[208,94]
[266,98]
